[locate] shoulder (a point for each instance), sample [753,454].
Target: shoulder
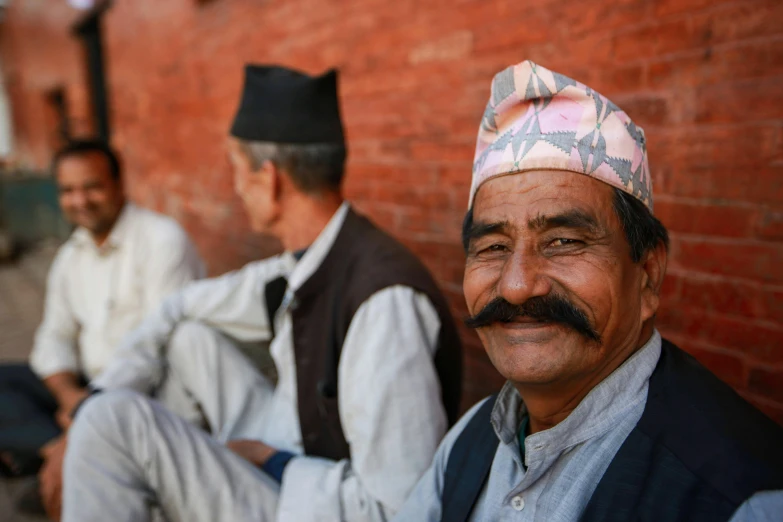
[383,260]
[717,435]
[398,298]
[257,273]
[373,243]
[157,228]
[475,413]
[681,380]
[64,256]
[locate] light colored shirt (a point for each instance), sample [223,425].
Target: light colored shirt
[764,506]
[389,393]
[95,295]
[562,465]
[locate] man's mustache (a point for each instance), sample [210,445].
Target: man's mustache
[550,308]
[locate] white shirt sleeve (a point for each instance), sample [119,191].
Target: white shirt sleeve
[55,345]
[424,502]
[173,261]
[232,303]
[391,412]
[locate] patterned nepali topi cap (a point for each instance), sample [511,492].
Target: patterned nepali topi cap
[539,119]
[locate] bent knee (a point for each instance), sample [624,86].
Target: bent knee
[192,338]
[114,405]
[189,334]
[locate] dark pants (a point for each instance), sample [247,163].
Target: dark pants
[27,419]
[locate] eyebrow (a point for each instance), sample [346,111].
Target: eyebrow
[575,219]
[478,229]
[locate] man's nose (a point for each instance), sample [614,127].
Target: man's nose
[522,278]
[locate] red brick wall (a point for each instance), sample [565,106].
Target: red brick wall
[702,76]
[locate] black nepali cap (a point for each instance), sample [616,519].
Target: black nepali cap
[281,105]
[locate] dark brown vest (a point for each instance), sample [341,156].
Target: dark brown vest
[362,261]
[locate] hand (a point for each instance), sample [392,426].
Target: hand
[63,418]
[51,476]
[254,451]
[70,400]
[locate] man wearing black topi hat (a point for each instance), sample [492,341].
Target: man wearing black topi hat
[367,355]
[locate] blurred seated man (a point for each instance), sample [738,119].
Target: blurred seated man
[367,355]
[601,418]
[118,265]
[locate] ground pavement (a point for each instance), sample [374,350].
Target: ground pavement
[21,302]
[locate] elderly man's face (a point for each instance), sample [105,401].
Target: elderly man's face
[550,242]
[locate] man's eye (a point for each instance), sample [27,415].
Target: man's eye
[491,249]
[562,241]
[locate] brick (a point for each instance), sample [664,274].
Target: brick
[766,383]
[609,16]
[759,341]
[671,288]
[645,110]
[721,148]
[722,183]
[449,48]
[731,297]
[669,7]
[702,68]
[741,20]
[658,38]
[505,33]
[725,103]
[755,260]
[703,219]
[770,225]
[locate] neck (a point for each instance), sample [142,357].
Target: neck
[550,404]
[308,217]
[99,237]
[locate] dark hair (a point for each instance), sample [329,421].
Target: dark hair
[313,167]
[80,147]
[643,231]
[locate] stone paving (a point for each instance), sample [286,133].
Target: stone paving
[22,285]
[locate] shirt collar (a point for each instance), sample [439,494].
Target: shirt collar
[595,415]
[119,231]
[316,252]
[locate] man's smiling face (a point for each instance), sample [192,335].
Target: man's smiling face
[549,244]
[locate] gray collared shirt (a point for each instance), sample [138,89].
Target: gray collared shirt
[562,465]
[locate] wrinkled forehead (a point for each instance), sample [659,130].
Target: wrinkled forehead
[522,198]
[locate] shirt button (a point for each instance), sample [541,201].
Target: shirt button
[518,503]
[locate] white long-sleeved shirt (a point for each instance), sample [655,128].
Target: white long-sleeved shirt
[389,393]
[96,295]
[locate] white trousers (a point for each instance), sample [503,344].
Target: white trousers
[208,376]
[129,456]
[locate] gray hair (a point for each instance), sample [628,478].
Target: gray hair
[314,167]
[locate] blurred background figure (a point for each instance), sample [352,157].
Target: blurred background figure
[117,266]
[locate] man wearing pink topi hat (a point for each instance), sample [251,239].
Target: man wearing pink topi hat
[601,418]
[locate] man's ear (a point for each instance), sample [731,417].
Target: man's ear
[654,270]
[270,176]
